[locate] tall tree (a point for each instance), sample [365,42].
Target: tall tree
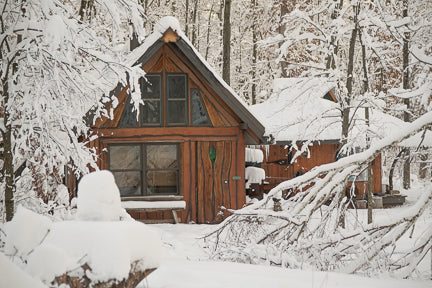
[406,86]
[53,71]
[226,42]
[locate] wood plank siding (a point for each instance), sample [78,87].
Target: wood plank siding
[277,167]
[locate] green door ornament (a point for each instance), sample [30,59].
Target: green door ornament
[212,154]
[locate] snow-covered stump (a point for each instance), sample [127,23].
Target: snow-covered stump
[101,248]
[134,278]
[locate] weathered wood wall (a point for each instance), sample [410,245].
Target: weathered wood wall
[277,167]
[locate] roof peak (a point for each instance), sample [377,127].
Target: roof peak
[167,22]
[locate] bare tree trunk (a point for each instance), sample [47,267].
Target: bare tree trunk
[195,24]
[282,26]
[187,18]
[349,82]
[365,90]
[208,30]
[423,165]
[173,7]
[226,38]
[7,171]
[254,53]
[331,62]
[86,10]
[405,83]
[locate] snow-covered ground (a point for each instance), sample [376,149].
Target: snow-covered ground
[187,262]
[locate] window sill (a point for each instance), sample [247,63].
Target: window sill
[153,198]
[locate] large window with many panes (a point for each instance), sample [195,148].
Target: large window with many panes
[145,169]
[167,101]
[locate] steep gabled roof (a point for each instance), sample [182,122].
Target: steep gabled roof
[168,30]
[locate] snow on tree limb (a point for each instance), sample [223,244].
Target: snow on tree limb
[307,232]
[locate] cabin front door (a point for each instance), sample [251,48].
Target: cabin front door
[216,180]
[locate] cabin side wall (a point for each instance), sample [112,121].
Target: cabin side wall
[278,168]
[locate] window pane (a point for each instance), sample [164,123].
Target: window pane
[176,86]
[176,112]
[162,157]
[150,112]
[129,117]
[124,157]
[199,111]
[151,89]
[162,182]
[129,182]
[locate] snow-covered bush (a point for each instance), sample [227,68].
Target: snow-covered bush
[94,248]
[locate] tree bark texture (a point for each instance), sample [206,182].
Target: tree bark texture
[405,83]
[349,82]
[365,90]
[86,10]
[226,54]
[254,53]
[187,18]
[334,46]
[282,27]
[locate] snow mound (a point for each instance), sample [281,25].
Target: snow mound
[109,248]
[98,197]
[25,232]
[14,277]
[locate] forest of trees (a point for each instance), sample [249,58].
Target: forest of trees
[378,53]
[59,58]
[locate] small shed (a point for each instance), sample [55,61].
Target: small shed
[305,110]
[188,142]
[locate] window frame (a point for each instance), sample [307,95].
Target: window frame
[161,102]
[166,100]
[144,170]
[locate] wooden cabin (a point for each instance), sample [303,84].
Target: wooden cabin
[300,111]
[188,142]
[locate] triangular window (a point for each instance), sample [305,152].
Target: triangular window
[129,116]
[199,113]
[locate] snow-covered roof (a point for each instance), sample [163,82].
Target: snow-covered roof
[297,111]
[293,103]
[153,43]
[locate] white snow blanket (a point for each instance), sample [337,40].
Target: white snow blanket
[97,237]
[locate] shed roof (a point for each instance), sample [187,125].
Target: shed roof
[141,54]
[296,111]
